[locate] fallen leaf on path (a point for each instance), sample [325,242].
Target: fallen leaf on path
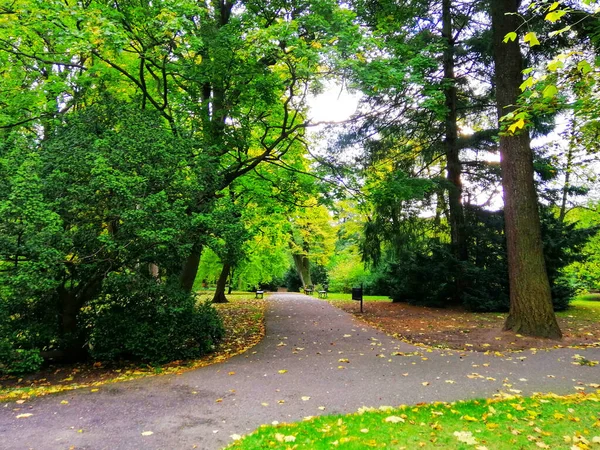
[64,402]
[23,416]
[147,433]
[235,437]
[322,408]
[231,373]
[305,398]
[282,371]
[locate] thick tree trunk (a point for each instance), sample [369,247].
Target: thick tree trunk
[303,268]
[531,312]
[219,296]
[71,301]
[190,268]
[453,164]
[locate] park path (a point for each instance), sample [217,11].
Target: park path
[307,338]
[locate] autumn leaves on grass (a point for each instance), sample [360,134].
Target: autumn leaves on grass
[545,422]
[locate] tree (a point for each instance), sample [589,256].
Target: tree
[531,310]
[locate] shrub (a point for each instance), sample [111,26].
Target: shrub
[152,322]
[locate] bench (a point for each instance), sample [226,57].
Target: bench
[308,290]
[323,292]
[259,294]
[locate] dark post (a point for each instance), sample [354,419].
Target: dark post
[357,294]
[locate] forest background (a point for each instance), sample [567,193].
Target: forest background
[150,150]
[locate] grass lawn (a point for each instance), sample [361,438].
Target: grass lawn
[460,329]
[571,422]
[243,318]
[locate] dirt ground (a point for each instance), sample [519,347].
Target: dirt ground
[460,329]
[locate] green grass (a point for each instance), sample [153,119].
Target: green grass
[512,423]
[583,307]
[335,296]
[589,297]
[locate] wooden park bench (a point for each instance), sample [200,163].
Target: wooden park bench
[308,290]
[323,292]
[259,293]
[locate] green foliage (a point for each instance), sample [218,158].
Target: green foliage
[426,275]
[151,322]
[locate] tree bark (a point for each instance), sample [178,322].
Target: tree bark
[303,268]
[531,312]
[219,296]
[190,268]
[453,164]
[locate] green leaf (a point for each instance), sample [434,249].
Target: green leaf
[554,65]
[527,84]
[553,6]
[531,37]
[510,37]
[527,71]
[555,16]
[550,91]
[584,67]
[562,30]
[519,124]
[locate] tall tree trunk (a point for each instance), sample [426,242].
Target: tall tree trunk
[531,312]
[231,274]
[190,268]
[219,296]
[568,170]
[71,301]
[303,268]
[454,166]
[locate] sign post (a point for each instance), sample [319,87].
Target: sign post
[357,294]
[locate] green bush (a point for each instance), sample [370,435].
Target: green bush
[18,361]
[152,322]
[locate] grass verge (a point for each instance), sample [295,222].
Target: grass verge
[548,421]
[243,318]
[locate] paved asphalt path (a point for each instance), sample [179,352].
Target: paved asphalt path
[308,338]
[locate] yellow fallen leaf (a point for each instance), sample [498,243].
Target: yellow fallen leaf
[425,383]
[281,402]
[64,402]
[364,430]
[219,400]
[264,404]
[305,398]
[282,371]
[394,419]
[231,373]
[147,433]
[450,381]
[322,408]
[94,390]
[23,416]
[235,437]
[344,360]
